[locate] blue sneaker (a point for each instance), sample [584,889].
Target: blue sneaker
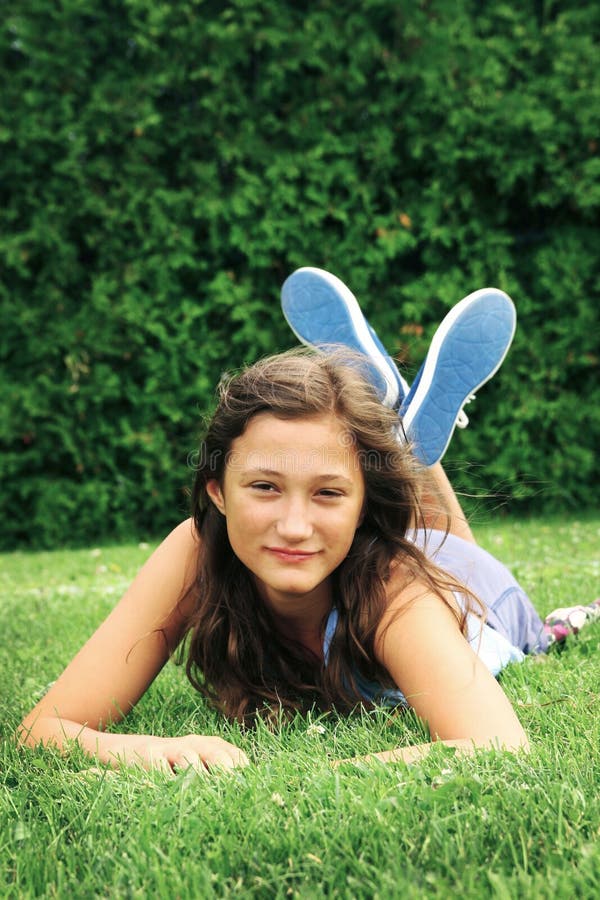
[321,311]
[467,349]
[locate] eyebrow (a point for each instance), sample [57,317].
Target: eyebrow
[325,476]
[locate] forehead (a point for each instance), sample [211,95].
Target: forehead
[313,445]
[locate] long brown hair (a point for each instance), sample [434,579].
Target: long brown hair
[236,655]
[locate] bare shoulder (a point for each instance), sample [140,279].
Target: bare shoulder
[171,569]
[414,612]
[178,551]
[407,590]
[420,643]
[183,536]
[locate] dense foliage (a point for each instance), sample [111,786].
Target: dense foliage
[164,166]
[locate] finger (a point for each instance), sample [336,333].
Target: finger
[350,761]
[225,756]
[216,751]
[163,766]
[156,761]
[183,762]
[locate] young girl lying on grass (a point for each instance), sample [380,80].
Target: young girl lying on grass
[317,567]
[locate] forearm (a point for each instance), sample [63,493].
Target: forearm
[417,752]
[52,731]
[167,754]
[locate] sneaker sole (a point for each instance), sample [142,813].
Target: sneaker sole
[308,298]
[430,418]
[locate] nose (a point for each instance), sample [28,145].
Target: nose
[294,523]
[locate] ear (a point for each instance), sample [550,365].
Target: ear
[213,489]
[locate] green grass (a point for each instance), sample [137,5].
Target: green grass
[290,825]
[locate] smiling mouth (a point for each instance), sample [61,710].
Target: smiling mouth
[292,555]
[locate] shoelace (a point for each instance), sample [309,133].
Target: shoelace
[462,419]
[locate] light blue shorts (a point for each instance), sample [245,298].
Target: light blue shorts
[509,611]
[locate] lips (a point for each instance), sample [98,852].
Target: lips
[288,555]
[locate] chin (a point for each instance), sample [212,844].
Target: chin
[299,589]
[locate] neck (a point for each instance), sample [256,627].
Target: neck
[301,618]
[310,637]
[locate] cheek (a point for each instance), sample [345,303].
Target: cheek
[244,521]
[238,538]
[343,530]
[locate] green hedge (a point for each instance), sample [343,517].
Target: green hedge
[164,166]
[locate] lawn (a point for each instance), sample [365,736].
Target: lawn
[291,825]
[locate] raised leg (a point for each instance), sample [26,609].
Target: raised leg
[466,350]
[441,507]
[322,312]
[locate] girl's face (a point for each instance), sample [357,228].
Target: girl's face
[293,494]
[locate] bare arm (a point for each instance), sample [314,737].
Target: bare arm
[420,644]
[118,663]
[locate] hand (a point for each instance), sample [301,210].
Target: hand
[171,754]
[410,754]
[416,752]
